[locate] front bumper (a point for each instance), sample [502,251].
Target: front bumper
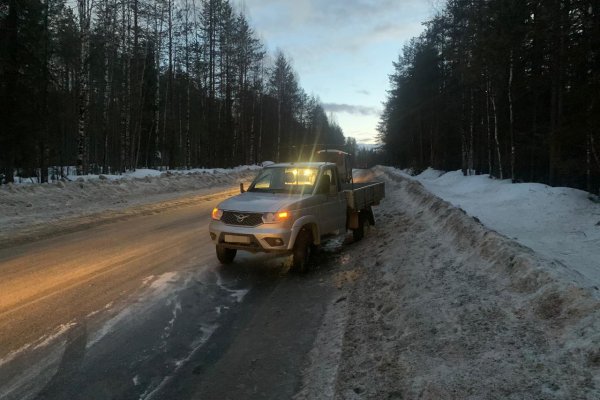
[270,238]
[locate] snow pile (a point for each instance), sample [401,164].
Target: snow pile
[145,173]
[26,208]
[446,308]
[561,224]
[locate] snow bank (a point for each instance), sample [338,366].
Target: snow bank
[30,207]
[561,224]
[529,270]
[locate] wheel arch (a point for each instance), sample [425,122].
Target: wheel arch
[309,223]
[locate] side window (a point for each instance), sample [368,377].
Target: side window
[264,182]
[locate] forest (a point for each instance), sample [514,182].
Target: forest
[113,85]
[509,88]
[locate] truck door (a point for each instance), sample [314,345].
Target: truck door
[332,211]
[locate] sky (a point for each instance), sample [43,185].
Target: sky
[342,50]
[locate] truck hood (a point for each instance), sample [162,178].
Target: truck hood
[263,202]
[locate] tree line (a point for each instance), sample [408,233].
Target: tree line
[112,85]
[509,88]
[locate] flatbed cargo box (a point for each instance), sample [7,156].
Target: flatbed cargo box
[361,196]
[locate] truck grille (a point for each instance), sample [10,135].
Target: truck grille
[241,218]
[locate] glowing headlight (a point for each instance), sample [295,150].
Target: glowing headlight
[271,218]
[216,214]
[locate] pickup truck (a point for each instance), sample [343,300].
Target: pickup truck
[288,208]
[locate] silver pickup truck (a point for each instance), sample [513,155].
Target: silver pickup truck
[288,208]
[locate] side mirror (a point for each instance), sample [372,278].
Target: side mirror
[242,190]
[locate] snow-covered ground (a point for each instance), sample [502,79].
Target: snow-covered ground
[433,304]
[441,307]
[560,224]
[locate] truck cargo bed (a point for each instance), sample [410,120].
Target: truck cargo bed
[360,196]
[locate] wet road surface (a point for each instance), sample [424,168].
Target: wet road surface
[139,308]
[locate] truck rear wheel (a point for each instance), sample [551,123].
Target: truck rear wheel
[302,253]
[225,255]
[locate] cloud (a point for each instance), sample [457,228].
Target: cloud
[391,31]
[363,91]
[346,11]
[350,109]
[333,16]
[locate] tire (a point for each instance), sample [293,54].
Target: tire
[303,251]
[363,227]
[225,255]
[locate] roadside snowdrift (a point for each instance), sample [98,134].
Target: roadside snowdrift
[33,209]
[560,224]
[445,308]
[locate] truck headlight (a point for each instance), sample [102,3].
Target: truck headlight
[217,214]
[272,218]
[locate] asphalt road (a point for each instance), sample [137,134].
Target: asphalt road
[139,308]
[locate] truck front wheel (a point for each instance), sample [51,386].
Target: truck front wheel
[302,252]
[225,255]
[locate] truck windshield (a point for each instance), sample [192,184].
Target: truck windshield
[285,180]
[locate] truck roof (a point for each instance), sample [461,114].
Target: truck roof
[333,151]
[300,164]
